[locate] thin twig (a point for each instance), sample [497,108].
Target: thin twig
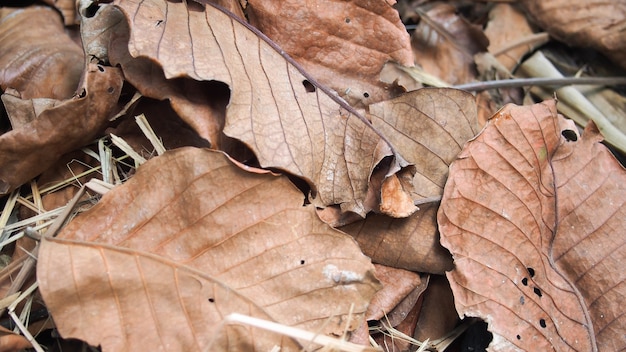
[541,81]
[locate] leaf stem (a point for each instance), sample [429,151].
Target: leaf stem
[541,81]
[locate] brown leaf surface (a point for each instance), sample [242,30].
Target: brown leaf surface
[536,226]
[248,231]
[280,113]
[428,127]
[597,24]
[33,147]
[444,44]
[343,44]
[397,285]
[411,243]
[127,300]
[12,342]
[38,58]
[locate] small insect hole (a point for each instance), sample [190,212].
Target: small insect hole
[525,281]
[110,90]
[366,94]
[537,292]
[158,23]
[518,337]
[542,323]
[82,94]
[302,262]
[569,135]
[347,20]
[100,68]
[531,272]
[212,300]
[308,86]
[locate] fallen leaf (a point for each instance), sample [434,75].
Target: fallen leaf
[194,209]
[289,121]
[438,315]
[444,44]
[12,342]
[397,285]
[534,217]
[343,44]
[411,243]
[27,151]
[508,26]
[590,23]
[38,59]
[428,127]
[127,300]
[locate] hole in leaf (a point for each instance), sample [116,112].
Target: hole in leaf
[542,323]
[82,94]
[537,292]
[366,94]
[158,23]
[110,90]
[308,86]
[569,135]
[518,337]
[91,10]
[525,281]
[302,262]
[212,300]
[100,68]
[531,272]
[347,20]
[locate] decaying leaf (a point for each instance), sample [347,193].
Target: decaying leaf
[127,300]
[411,243]
[589,23]
[37,58]
[343,44]
[428,127]
[534,216]
[193,210]
[280,113]
[33,147]
[444,44]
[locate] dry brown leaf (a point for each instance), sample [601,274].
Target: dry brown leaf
[127,300]
[67,8]
[280,113]
[37,58]
[428,127]
[27,151]
[411,243]
[397,285]
[12,342]
[438,315]
[508,26]
[343,44]
[444,44]
[534,217]
[245,230]
[597,24]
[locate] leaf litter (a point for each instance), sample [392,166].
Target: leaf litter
[175,244]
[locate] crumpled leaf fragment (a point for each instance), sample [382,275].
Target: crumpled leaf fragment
[247,231]
[588,23]
[31,148]
[534,217]
[343,44]
[444,44]
[38,59]
[288,121]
